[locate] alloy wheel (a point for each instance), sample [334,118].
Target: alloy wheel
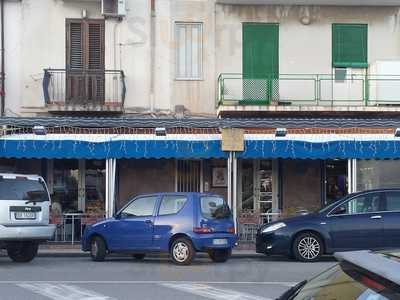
[180,252]
[309,247]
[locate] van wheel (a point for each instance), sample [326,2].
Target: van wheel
[182,252]
[220,255]
[98,249]
[22,252]
[139,256]
[308,247]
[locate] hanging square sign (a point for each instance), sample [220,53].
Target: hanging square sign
[232,139]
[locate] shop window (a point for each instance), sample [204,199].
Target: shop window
[188,176]
[375,174]
[349,45]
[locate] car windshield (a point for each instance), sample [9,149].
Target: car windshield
[23,189]
[214,208]
[345,282]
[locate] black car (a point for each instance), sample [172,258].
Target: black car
[360,275]
[368,220]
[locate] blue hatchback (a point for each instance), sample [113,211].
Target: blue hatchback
[180,224]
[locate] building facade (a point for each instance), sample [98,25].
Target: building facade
[280,106]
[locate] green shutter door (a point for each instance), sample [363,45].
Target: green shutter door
[260,62]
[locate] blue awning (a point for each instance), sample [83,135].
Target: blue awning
[322,146]
[201,146]
[98,146]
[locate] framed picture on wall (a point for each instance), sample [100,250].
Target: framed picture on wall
[219,177]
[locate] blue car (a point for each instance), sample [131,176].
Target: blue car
[180,224]
[368,220]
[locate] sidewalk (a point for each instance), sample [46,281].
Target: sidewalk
[68,250]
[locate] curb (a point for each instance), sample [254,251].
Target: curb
[84,254]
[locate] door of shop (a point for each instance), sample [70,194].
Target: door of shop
[78,194]
[257,204]
[335,180]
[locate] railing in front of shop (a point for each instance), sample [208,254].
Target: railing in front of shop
[248,224]
[309,90]
[70,226]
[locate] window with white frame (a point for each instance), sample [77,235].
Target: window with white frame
[189,51]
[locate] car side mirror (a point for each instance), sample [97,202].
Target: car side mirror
[117,216]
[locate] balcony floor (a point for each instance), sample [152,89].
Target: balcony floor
[260,110]
[106,107]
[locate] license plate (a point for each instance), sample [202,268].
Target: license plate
[220,241]
[21,215]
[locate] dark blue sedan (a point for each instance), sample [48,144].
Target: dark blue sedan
[367,220]
[180,224]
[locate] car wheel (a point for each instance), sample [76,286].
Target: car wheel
[98,249]
[139,256]
[22,252]
[182,252]
[220,255]
[308,247]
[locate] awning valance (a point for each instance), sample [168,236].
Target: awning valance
[322,146]
[98,146]
[201,146]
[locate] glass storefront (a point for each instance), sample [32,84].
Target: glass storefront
[372,174]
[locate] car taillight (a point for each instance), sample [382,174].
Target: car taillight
[231,230]
[202,230]
[372,283]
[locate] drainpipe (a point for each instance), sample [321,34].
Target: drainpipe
[2,91]
[152,53]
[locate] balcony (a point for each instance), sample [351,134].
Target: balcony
[78,91]
[308,92]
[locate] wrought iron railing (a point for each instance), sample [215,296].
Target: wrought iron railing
[309,89]
[106,88]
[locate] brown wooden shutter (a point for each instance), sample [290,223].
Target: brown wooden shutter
[95,46]
[95,62]
[76,46]
[85,61]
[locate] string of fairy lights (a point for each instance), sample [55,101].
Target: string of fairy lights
[123,142]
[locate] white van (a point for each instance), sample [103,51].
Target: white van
[24,215]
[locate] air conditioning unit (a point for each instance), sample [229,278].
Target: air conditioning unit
[113,8]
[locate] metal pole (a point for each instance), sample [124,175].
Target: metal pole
[230,180]
[234,191]
[2,91]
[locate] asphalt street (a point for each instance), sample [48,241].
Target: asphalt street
[123,278]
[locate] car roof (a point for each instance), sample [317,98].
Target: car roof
[385,264]
[27,176]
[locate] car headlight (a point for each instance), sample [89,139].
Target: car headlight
[273,227]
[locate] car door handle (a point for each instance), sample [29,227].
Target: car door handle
[376,217]
[148,222]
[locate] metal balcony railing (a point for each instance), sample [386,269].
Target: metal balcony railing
[309,89]
[79,88]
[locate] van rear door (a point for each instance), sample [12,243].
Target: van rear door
[24,200]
